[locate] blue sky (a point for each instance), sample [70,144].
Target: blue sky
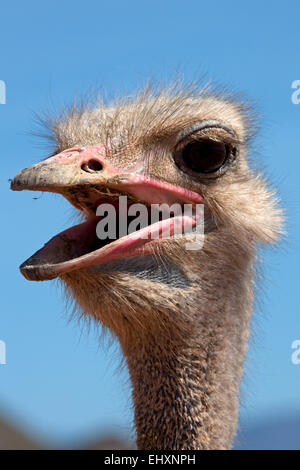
[61,381]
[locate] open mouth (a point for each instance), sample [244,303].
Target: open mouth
[80,246]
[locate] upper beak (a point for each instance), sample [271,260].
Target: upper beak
[72,167]
[77,172]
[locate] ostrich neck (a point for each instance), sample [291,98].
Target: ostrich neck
[185,392]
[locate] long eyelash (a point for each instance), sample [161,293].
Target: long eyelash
[205,125]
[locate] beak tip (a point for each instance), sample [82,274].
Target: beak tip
[14,184]
[18,182]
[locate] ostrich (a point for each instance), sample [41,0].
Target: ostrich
[181,315]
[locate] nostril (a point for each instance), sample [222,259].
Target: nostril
[92,166]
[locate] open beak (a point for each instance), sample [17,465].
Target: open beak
[86,179]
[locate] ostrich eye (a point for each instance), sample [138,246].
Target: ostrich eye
[204,156]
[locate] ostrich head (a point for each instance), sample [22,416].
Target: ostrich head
[181,315]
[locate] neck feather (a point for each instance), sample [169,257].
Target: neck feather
[185,389]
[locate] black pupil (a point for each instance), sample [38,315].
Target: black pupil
[204,156]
